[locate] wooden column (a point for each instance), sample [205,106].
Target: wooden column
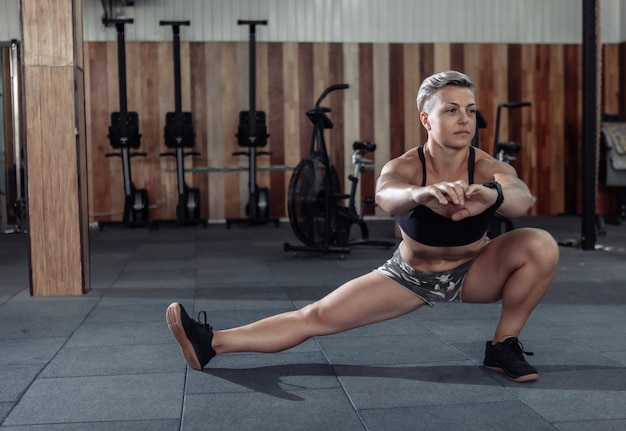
[54,108]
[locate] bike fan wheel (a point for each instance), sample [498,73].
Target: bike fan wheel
[309,192]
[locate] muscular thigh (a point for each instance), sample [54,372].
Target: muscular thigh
[367,299]
[486,278]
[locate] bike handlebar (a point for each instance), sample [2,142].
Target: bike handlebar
[497,131]
[515,104]
[330,90]
[118,21]
[175,23]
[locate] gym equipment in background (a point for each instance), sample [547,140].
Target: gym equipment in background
[12,184]
[179,135]
[124,136]
[314,201]
[504,151]
[612,166]
[252,134]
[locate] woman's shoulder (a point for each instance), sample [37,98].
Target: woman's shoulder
[408,159]
[406,166]
[486,165]
[409,154]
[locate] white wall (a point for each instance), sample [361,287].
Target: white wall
[488,21]
[9,20]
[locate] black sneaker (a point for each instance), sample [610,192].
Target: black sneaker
[508,358]
[193,338]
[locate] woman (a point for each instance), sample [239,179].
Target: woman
[443,195]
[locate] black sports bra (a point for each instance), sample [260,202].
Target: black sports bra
[427,227]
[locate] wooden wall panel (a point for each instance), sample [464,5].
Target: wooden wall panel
[95,115]
[381,75]
[379,106]
[622,79]
[234,191]
[572,125]
[442,55]
[397,95]
[367,107]
[411,82]
[216,137]
[366,111]
[611,80]
[306,99]
[529,153]
[543,123]
[286,133]
[555,202]
[282,98]
[161,99]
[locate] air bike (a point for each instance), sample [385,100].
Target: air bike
[317,214]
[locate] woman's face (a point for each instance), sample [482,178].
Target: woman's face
[450,116]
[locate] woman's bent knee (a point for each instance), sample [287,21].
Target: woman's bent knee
[525,246]
[542,246]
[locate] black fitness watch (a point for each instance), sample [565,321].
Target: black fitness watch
[500,198]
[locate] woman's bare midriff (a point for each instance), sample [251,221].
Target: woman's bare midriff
[436,259]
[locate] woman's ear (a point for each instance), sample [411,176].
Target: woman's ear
[424,120]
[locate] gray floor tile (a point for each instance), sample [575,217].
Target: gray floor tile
[109,313]
[15,379]
[317,409]
[98,399]
[399,349]
[489,416]
[587,425]
[5,408]
[151,425]
[618,356]
[155,295]
[242,298]
[112,360]
[156,278]
[121,334]
[27,326]
[583,404]
[276,374]
[477,329]
[452,383]
[29,351]
[404,325]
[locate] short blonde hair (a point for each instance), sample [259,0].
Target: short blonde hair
[436,82]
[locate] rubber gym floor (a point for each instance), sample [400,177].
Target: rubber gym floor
[106,360]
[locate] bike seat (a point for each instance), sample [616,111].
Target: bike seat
[511,146]
[364,145]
